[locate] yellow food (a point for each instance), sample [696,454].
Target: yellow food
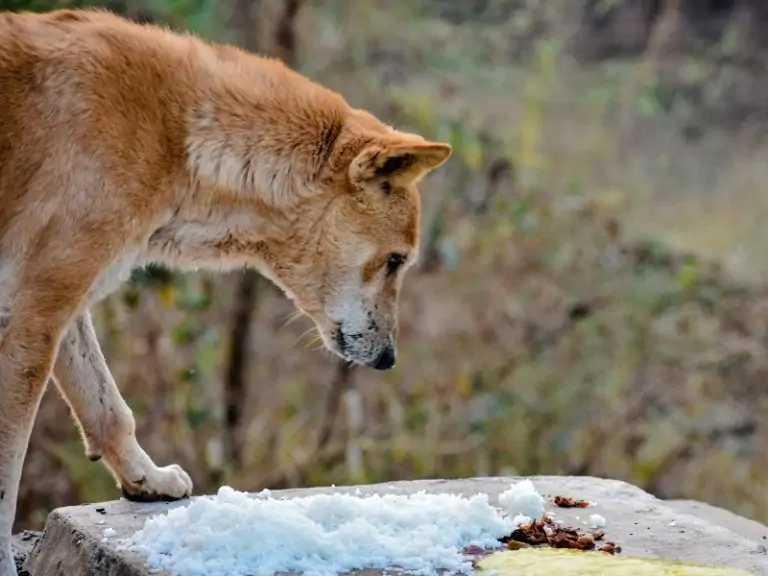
[564,562]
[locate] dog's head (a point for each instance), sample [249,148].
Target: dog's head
[338,208]
[362,237]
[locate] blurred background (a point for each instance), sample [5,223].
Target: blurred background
[592,296]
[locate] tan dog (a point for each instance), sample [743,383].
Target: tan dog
[123,144]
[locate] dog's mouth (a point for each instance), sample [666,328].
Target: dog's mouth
[371,351]
[348,347]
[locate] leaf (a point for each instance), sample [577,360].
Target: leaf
[644,470]
[94,483]
[463,385]
[576,186]
[183,333]
[647,105]
[688,275]
[131,297]
[208,360]
[167,295]
[472,154]
[611,199]
[196,416]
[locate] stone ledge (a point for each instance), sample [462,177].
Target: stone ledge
[733,522]
[642,524]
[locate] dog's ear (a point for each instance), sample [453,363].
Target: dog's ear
[401,162]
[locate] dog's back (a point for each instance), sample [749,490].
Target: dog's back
[84,92]
[90,91]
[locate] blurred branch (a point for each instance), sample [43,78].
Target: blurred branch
[244,20]
[292,474]
[323,453]
[683,452]
[285,35]
[660,34]
[341,383]
[624,418]
[451,182]
[538,341]
[237,366]
[285,47]
[692,444]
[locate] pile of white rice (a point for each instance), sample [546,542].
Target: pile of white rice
[234,534]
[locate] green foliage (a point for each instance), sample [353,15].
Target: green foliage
[199,16]
[41,5]
[94,483]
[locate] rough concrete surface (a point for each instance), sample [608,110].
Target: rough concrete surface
[22,545]
[733,522]
[642,524]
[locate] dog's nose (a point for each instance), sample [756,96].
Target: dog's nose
[386,359]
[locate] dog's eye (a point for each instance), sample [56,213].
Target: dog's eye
[394,261]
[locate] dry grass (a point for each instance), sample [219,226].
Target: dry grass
[540,336]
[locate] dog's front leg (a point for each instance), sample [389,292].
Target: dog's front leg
[31,334]
[105,420]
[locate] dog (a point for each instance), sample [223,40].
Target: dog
[124,144]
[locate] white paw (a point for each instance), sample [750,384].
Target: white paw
[166,483]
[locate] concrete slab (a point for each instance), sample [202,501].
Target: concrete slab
[733,522]
[642,524]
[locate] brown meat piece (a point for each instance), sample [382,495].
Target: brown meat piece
[546,531]
[567,502]
[610,548]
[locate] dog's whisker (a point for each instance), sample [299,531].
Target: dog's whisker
[306,333]
[292,317]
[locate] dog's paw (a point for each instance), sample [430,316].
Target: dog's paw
[159,484]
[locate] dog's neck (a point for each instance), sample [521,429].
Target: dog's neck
[256,146]
[262,131]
